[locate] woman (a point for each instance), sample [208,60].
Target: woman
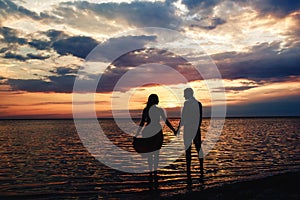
[152,132]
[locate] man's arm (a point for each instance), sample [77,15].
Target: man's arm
[182,118]
[200,113]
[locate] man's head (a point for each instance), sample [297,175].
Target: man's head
[188,93]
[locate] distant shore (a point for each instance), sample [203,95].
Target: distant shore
[282,186]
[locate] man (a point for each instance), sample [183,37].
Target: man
[191,118]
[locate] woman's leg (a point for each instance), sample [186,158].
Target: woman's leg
[150,162]
[156,160]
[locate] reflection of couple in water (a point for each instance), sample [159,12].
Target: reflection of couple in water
[152,135]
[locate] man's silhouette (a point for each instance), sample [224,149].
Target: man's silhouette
[191,118]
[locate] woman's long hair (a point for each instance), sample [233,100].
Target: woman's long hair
[152,100]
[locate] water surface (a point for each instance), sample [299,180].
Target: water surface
[46,159]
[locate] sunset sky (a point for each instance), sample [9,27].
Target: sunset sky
[254,44]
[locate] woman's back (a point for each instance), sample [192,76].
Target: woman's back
[155,114]
[152,117]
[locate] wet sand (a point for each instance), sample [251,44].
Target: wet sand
[282,186]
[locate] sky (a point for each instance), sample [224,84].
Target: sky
[47,45]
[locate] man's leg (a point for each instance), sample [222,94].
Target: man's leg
[197,142]
[188,158]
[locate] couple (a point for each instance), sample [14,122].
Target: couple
[191,118]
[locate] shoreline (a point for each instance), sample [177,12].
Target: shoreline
[280,186]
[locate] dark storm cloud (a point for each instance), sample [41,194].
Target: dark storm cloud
[37,56]
[10,36]
[55,35]
[3,50]
[79,46]
[10,55]
[279,8]
[140,14]
[59,84]
[264,62]
[64,70]
[151,55]
[39,44]
[113,47]
[191,4]
[9,7]
[207,23]
[19,57]
[143,56]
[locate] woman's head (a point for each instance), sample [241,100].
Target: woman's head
[152,99]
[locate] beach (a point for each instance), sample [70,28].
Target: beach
[281,186]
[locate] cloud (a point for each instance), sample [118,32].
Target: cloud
[3,50]
[39,44]
[207,23]
[263,62]
[278,8]
[79,46]
[134,59]
[37,56]
[137,13]
[7,6]
[207,4]
[64,70]
[56,35]
[234,89]
[10,55]
[67,103]
[109,49]
[10,36]
[13,42]
[63,80]
[59,84]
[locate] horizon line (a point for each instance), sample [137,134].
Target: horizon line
[136,118]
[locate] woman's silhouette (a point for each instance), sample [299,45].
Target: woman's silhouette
[152,132]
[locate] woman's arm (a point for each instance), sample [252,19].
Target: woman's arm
[163,116]
[141,124]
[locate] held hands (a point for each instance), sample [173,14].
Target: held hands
[176,132]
